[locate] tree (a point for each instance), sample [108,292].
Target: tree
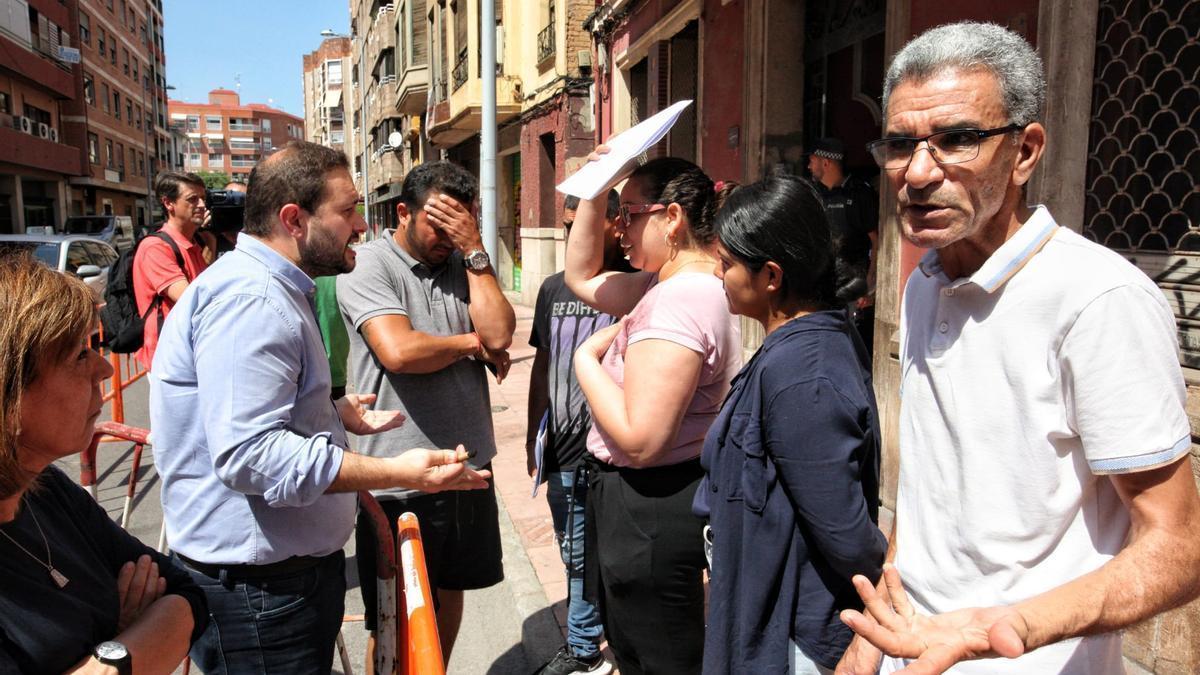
[214,180]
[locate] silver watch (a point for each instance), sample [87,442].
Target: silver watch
[113,653]
[476,260]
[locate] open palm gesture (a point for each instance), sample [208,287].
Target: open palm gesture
[935,642]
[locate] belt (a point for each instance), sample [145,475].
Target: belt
[289,566]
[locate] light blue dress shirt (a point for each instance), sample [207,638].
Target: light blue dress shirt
[246,437]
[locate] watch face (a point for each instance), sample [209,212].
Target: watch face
[477,260]
[111,651]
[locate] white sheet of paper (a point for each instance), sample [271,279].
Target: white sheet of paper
[623,149]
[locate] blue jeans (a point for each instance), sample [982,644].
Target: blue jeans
[281,624]
[584,627]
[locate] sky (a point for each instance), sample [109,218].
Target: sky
[210,43]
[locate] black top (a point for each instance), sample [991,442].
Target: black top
[792,495]
[45,629]
[853,212]
[561,322]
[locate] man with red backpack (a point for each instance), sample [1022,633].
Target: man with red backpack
[164,265]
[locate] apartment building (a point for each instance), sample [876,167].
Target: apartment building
[390,60]
[121,114]
[223,135]
[36,79]
[326,92]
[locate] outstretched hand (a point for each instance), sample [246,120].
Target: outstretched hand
[935,642]
[439,470]
[361,421]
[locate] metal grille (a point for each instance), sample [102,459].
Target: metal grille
[1144,148]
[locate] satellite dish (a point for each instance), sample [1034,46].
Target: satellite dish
[395,139]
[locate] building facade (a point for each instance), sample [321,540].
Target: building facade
[37,156]
[119,121]
[226,136]
[326,93]
[771,76]
[390,79]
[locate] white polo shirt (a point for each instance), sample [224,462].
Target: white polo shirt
[1052,365]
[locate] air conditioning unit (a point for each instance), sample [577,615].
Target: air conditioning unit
[53,134]
[43,130]
[26,125]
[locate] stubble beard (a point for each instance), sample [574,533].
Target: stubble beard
[323,255]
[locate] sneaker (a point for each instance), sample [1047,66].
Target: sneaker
[566,663]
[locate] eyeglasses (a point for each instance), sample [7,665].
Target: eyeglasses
[954,146]
[629,210]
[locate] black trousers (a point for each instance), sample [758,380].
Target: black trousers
[645,566]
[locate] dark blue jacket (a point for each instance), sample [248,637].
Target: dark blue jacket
[792,495]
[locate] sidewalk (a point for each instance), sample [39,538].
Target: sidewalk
[530,516]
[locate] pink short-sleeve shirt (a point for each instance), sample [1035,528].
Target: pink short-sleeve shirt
[688,309]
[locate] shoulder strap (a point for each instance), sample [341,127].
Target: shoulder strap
[175,248]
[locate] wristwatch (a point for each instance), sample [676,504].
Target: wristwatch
[476,260]
[113,653]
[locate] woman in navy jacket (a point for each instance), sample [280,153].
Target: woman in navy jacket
[792,462]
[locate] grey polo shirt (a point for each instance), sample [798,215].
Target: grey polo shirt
[445,408]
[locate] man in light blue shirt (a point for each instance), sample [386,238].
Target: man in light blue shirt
[258,481]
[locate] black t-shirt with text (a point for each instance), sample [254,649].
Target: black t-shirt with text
[561,322]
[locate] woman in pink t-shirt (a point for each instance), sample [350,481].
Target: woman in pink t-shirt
[655,382]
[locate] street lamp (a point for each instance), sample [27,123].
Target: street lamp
[362,86]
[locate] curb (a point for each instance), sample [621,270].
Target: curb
[540,635]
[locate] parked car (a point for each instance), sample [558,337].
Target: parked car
[116,231]
[85,257]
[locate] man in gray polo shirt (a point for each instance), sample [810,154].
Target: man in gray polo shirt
[426,315]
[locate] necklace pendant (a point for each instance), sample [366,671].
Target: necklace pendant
[59,580]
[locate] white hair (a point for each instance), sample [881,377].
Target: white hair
[970,45]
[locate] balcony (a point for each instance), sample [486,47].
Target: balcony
[243,162]
[459,74]
[545,44]
[412,90]
[456,118]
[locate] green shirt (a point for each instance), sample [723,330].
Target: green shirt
[333,329]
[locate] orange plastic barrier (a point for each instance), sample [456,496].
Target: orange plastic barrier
[126,371]
[421,646]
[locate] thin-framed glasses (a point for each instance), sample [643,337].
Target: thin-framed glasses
[953,146]
[628,210]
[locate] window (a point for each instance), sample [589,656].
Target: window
[266,126]
[85,29]
[135,70]
[5,103]
[112,53]
[212,121]
[108,158]
[125,60]
[100,44]
[120,157]
[216,159]
[104,97]
[139,116]
[116,104]
[109,4]
[193,122]
[93,148]
[129,111]
[334,69]
[89,89]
